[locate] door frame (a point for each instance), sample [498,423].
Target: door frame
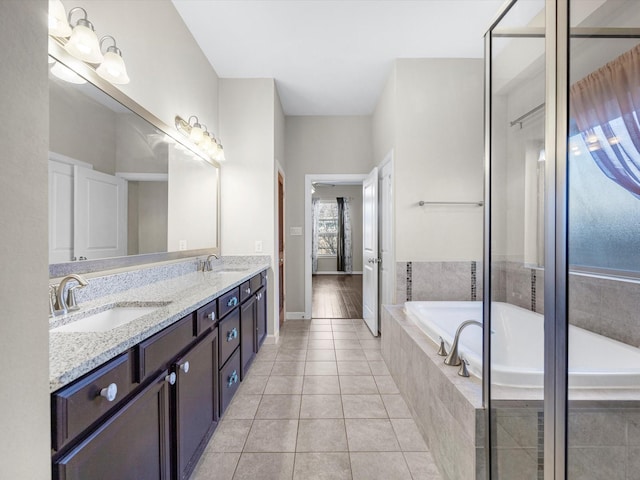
[338,179]
[388,160]
[273,322]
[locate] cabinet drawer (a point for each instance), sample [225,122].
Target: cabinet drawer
[256,283]
[77,406]
[229,380]
[207,316]
[245,291]
[228,302]
[156,352]
[229,335]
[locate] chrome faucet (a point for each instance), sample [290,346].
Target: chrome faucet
[206,265]
[61,304]
[453,358]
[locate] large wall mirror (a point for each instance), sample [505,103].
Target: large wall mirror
[122,186]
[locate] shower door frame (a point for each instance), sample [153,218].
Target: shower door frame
[557,33]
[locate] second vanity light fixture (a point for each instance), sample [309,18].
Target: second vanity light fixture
[198,135]
[83,43]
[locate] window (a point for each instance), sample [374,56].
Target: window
[604,218]
[327,227]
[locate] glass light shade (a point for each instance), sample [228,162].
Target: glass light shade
[205,143]
[66,74]
[220,156]
[113,69]
[58,24]
[196,134]
[83,44]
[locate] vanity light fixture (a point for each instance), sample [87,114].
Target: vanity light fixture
[83,43]
[200,136]
[112,67]
[58,23]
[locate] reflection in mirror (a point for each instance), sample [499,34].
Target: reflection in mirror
[118,185]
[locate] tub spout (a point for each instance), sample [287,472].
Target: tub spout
[453,358]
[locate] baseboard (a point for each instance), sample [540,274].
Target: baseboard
[295,316]
[338,273]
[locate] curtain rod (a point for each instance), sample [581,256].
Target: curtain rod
[521,118]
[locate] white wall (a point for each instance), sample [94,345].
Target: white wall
[24,334]
[384,119]
[439,157]
[354,192]
[317,145]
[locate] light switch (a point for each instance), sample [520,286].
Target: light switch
[182,245]
[295,231]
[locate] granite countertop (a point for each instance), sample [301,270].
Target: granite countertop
[72,354]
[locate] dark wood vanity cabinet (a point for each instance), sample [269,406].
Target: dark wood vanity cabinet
[195,402]
[149,412]
[111,453]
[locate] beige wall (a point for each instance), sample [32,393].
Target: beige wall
[24,335]
[317,145]
[354,192]
[384,119]
[248,124]
[439,157]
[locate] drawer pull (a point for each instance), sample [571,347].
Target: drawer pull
[259,296]
[247,291]
[233,378]
[232,335]
[185,367]
[171,378]
[109,392]
[212,316]
[233,301]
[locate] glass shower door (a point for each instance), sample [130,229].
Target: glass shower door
[603,417]
[514,306]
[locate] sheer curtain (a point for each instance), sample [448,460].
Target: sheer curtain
[315,207]
[344,256]
[604,109]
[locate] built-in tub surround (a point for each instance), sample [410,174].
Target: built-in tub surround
[601,304]
[446,407]
[73,354]
[449,412]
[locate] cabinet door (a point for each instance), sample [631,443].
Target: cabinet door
[261,317]
[247,335]
[111,453]
[196,402]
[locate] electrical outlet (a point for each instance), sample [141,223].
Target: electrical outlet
[182,245]
[258,246]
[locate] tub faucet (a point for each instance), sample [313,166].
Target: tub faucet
[61,304]
[453,358]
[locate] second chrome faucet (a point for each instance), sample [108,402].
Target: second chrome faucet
[59,305]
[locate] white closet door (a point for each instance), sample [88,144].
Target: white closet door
[60,212]
[370,251]
[100,216]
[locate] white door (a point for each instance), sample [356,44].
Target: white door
[387,265]
[60,212]
[370,251]
[100,216]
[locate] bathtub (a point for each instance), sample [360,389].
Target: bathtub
[517,345]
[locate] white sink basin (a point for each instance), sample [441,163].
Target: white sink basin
[105,320]
[231,270]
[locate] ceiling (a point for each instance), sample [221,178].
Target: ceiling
[332,57]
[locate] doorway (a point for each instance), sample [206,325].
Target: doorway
[332,290]
[281,283]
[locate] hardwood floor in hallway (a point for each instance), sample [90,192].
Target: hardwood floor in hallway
[336,296]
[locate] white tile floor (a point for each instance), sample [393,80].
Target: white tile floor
[318,405]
